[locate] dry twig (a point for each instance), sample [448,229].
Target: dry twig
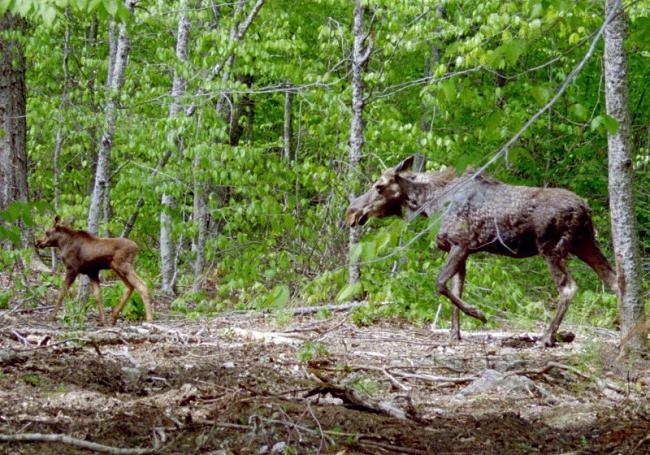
[69,440]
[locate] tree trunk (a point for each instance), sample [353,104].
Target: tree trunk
[179,86]
[98,198]
[13,156]
[621,190]
[288,125]
[360,56]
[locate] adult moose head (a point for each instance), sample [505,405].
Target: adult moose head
[82,252]
[478,214]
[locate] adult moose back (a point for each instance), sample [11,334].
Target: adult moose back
[479,213]
[85,253]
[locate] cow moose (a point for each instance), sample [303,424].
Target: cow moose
[85,253]
[479,213]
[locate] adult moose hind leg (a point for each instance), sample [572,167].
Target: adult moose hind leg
[458,284]
[590,253]
[567,289]
[454,264]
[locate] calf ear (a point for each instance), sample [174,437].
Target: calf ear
[405,165]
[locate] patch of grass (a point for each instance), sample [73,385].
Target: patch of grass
[365,385]
[5,297]
[33,379]
[312,350]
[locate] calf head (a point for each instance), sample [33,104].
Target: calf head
[386,197]
[52,236]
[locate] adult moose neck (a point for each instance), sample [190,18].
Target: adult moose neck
[426,191]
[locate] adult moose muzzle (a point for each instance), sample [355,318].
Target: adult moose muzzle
[82,252]
[479,213]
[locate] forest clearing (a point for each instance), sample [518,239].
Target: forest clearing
[254,383]
[324,226]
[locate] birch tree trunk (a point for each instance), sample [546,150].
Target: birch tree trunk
[13,155]
[621,190]
[360,55]
[179,86]
[116,80]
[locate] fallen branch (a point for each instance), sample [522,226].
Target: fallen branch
[69,440]
[548,367]
[355,400]
[331,307]
[423,377]
[266,337]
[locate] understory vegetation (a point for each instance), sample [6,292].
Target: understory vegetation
[450,80]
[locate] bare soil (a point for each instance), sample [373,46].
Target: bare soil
[246,384]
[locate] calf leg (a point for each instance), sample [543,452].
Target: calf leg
[132,280]
[144,293]
[455,262]
[458,284]
[94,282]
[69,279]
[567,289]
[128,290]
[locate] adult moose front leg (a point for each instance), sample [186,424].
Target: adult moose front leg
[455,265]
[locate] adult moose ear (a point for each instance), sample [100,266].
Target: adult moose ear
[405,165]
[57,220]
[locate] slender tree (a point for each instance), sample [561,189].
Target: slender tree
[361,48]
[115,82]
[179,86]
[621,188]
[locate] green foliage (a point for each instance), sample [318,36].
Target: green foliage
[312,350]
[453,84]
[16,217]
[5,298]
[34,379]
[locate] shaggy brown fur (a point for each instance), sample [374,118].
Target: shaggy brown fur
[479,213]
[82,252]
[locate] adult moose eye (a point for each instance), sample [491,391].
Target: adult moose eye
[380,187]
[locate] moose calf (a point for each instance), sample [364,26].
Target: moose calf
[82,252]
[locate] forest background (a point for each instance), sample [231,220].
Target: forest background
[217,136]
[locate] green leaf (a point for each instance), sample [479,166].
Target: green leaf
[541,94]
[111,6]
[48,13]
[611,124]
[349,292]
[279,296]
[595,122]
[11,233]
[368,251]
[356,251]
[513,50]
[580,111]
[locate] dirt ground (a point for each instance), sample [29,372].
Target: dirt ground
[244,383]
